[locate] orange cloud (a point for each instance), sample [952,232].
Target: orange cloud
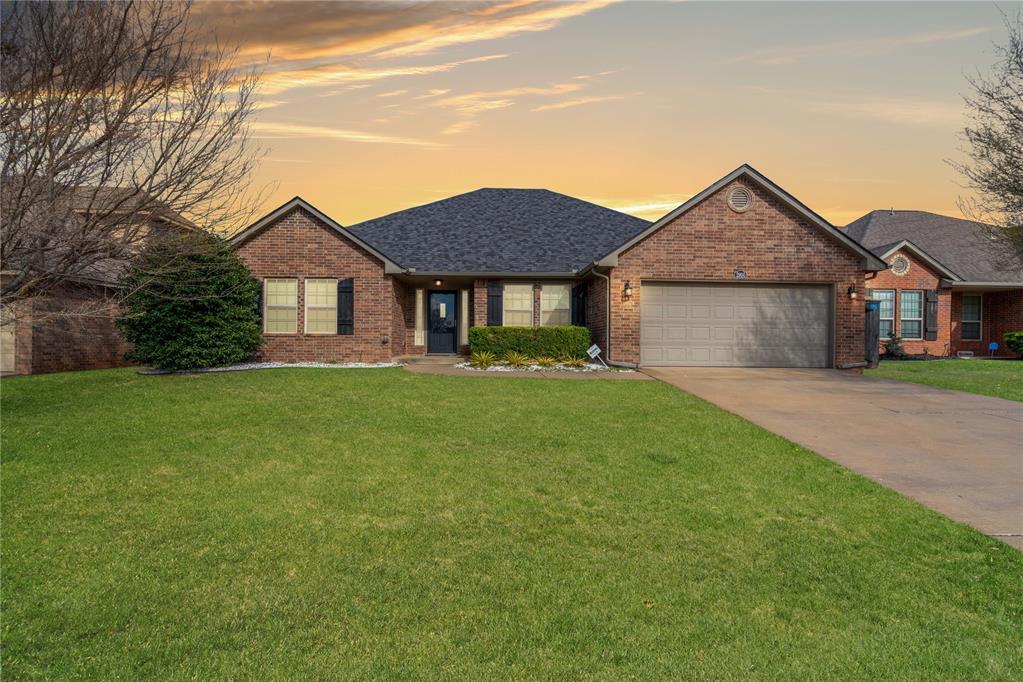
[271,130]
[580,101]
[277,82]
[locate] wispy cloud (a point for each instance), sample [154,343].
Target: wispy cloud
[891,109]
[353,76]
[392,93]
[471,104]
[650,208]
[434,92]
[858,48]
[272,130]
[321,43]
[903,110]
[502,20]
[580,101]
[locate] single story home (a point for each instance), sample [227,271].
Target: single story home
[950,286]
[742,274]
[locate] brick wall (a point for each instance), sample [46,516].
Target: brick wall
[74,331]
[301,247]
[1001,312]
[770,242]
[919,277]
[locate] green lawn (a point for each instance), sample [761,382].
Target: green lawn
[291,524]
[998,378]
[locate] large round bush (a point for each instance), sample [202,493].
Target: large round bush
[190,302]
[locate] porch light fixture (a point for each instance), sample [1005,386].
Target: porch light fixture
[852,293]
[627,291]
[438,282]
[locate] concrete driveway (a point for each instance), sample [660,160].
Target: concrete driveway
[958,453]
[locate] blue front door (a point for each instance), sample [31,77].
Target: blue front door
[443,329]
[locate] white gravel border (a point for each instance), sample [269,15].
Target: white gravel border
[243,366]
[588,367]
[317,365]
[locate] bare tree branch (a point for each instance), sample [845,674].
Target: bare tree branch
[118,121]
[994,144]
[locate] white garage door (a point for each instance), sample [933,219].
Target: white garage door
[738,325]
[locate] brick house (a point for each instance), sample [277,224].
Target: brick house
[742,274]
[948,288]
[73,327]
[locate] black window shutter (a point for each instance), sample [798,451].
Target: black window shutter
[346,306]
[579,304]
[259,299]
[495,304]
[931,315]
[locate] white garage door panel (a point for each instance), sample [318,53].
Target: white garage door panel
[736,326]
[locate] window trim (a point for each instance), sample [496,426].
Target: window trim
[903,318]
[894,315]
[568,310]
[306,306]
[979,321]
[504,304]
[267,306]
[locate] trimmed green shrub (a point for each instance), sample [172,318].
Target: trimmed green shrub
[555,342]
[1014,342]
[893,348]
[190,303]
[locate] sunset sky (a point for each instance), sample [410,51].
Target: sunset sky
[368,108]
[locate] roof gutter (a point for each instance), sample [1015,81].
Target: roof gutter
[491,274]
[983,285]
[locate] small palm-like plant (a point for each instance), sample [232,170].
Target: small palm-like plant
[546,361]
[517,359]
[483,359]
[574,363]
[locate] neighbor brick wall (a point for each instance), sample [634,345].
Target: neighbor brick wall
[770,242]
[919,277]
[300,246]
[76,330]
[1001,312]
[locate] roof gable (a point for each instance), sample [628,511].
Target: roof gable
[960,246]
[870,261]
[298,202]
[920,254]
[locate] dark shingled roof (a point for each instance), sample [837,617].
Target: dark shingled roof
[500,230]
[962,246]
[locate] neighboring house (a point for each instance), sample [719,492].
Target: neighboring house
[949,286]
[73,326]
[742,274]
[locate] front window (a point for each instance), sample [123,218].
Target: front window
[971,316]
[518,305]
[886,307]
[321,306]
[912,314]
[555,305]
[280,313]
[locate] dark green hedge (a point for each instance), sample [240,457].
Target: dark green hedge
[536,342]
[1014,342]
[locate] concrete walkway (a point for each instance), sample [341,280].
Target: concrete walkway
[958,453]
